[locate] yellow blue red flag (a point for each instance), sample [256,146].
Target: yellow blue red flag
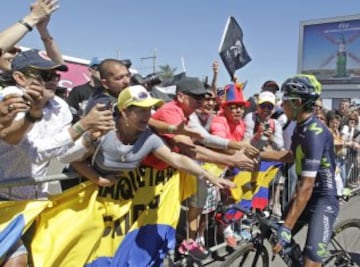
[16,217]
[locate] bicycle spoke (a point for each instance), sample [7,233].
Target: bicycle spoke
[344,247]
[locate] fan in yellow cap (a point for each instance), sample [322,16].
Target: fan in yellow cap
[138,96]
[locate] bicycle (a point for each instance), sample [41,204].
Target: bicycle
[264,227]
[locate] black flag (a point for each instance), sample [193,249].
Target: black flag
[232,50]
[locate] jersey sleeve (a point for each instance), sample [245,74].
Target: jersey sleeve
[313,148]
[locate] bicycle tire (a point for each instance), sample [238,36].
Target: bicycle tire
[237,257]
[344,246]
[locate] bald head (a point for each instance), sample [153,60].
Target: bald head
[114,76]
[108,66]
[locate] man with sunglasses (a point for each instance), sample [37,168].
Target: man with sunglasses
[46,126]
[312,149]
[46,130]
[39,16]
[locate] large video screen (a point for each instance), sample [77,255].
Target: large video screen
[331,50]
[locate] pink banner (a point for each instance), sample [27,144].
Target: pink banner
[76,75]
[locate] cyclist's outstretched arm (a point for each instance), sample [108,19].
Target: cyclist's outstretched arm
[274,155]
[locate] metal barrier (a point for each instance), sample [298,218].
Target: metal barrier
[34,182]
[352,167]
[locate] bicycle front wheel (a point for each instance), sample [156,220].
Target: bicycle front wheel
[344,246]
[248,255]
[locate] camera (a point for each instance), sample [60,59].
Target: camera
[148,81]
[266,125]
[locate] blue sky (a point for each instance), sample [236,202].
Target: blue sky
[190,29]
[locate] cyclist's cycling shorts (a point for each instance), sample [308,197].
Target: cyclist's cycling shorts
[320,214]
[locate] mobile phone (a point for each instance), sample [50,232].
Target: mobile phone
[107,104]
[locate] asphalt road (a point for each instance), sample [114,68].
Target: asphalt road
[348,210]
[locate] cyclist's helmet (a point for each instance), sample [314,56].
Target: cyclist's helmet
[304,86]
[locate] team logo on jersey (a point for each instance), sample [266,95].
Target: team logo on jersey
[315,128]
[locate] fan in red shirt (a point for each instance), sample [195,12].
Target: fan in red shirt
[190,92]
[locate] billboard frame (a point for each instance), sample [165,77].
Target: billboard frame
[331,88]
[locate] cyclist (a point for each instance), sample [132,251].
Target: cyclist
[312,149]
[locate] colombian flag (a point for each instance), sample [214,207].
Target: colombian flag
[16,217]
[252,189]
[132,223]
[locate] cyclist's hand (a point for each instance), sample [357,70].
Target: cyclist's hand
[284,238]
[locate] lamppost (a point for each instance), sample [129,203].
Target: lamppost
[153,59]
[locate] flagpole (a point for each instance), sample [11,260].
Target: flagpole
[183,64]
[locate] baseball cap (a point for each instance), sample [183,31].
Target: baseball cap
[234,95]
[138,96]
[267,96]
[35,59]
[126,62]
[271,86]
[94,61]
[191,85]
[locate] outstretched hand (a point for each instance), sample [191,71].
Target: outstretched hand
[240,160]
[184,130]
[220,182]
[249,150]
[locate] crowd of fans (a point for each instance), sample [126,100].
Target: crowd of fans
[111,124]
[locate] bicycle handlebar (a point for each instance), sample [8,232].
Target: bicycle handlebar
[260,216]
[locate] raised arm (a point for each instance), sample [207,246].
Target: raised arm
[13,34]
[52,50]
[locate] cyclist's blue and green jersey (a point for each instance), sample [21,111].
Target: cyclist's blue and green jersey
[313,148]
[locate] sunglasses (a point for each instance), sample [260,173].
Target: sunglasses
[196,97]
[289,98]
[317,106]
[45,76]
[321,118]
[14,50]
[266,105]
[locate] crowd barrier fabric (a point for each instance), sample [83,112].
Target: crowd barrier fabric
[130,224]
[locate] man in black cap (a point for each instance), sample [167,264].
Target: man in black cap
[190,93]
[270,86]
